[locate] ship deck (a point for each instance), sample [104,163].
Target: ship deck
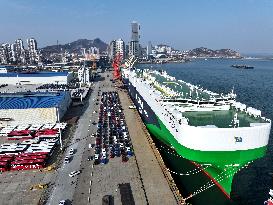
[186,90]
[220,119]
[189,99]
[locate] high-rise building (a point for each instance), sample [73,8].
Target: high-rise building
[134,47]
[32,51]
[112,50]
[20,51]
[120,48]
[16,53]
[135,31]
[117,47]
[149,49]
[5,53]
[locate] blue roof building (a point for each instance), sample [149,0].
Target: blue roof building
[31,100]
[33,107]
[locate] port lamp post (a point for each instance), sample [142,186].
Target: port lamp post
[60,132]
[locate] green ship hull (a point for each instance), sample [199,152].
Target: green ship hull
[201,173]
[219,173]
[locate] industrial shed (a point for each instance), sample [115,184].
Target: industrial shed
[33,107]
[28,78]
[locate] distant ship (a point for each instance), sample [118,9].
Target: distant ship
[242,66]
[211,131]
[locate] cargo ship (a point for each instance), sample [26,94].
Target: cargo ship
[213,133]
[242,66]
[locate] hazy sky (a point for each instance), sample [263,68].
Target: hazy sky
[243,25]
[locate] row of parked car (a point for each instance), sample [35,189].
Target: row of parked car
[77,93]
[68,158]
[112,137]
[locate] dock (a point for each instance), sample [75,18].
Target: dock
[156,178]
[145,173]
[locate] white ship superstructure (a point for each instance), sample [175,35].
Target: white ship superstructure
[202,126]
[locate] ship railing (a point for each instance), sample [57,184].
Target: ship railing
[254,112]
[268,120]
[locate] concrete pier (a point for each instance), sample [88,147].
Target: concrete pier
[157,181]
[148,182]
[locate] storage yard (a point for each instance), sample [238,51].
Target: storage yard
[26,156]
[107,157]
[33,147]
[139,180]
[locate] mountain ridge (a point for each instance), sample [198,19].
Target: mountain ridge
[206,52]
[76,46]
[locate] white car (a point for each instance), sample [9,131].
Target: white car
[62,202]
[103,156]
[74,173]
[97,156]
[121,145]
[71,151]
[103,151]
[67,159]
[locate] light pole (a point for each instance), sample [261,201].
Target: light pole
[60,132]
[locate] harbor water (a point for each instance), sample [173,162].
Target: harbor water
[254,87]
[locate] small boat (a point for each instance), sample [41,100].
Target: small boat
[242,66]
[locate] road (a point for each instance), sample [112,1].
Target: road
[64,187]
[142,172]
[97,181]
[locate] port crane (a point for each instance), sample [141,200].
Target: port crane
[116,64]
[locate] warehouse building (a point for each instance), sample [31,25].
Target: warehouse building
[29,78]
[33,107]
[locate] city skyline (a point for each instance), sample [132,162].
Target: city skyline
[245,26]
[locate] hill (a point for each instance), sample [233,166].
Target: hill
[75,46]
[209,53]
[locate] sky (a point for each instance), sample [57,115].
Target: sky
[243,25]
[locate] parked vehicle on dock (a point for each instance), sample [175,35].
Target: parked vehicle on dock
[67,159]
[71,151]
[62,202]
[74,173]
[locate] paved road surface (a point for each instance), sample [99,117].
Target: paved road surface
[142,171]
[63,188]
